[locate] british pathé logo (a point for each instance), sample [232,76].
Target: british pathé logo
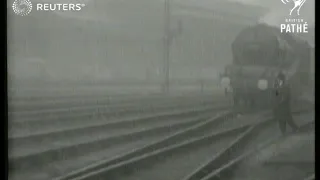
[294,25]
[297,5]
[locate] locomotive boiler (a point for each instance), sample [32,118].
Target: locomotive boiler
[260,52]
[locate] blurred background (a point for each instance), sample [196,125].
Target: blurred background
[121,41]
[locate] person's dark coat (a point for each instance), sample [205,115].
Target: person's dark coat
[282,100]
[282,109]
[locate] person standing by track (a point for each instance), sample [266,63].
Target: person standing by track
[282,109]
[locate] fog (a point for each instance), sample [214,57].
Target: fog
[277,12]
[157,89]
[122,39]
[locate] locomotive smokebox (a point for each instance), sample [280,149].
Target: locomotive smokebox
[260,52]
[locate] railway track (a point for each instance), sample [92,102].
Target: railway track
[38,117]
[62,116]
[50,127]
[74,119]
[30,152]
[198,130]
[25,93]
[44,149]
[44,103]
[176,156]
[75,125]
[87,110]
[227,170]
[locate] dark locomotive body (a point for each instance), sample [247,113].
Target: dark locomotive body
[260,52]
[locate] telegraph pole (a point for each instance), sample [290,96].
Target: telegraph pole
[169,35]
[167,38]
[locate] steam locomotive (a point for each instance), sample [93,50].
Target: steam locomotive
[260,52]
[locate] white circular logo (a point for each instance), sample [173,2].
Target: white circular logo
[22,7]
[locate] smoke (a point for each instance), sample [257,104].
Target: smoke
[274,17]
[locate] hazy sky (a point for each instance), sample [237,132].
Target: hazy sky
[279,11]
